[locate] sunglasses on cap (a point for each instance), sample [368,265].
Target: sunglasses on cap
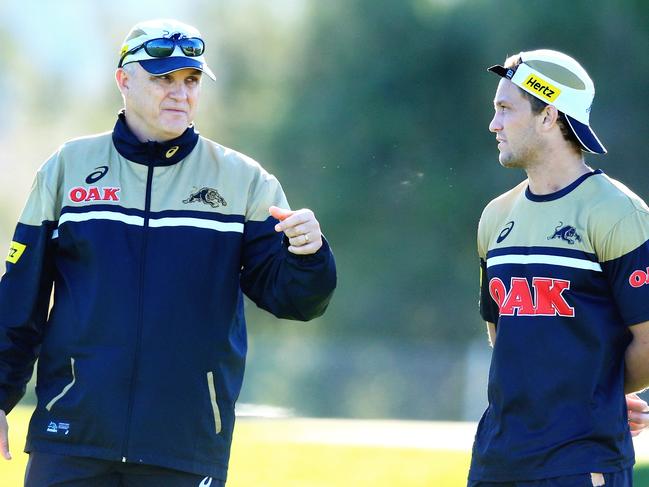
[165,46]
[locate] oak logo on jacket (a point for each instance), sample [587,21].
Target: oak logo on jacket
[207,196]
[79,194]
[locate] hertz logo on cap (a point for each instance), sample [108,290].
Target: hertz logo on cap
[541,87]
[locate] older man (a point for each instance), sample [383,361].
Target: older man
[149,234]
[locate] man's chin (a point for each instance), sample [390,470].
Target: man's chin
[506,160]
[173,130]
[503,159]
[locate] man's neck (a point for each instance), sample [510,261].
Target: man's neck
[555,172]
[141,132]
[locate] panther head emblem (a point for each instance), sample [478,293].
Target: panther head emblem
[566,233]
[207,196]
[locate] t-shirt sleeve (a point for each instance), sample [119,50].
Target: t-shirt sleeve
[488,307]
[624,257]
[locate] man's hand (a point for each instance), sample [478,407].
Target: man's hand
[301,228]
[4,436]
[638,411]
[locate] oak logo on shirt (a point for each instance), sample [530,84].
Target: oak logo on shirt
[79,194]
[544,298]
[639,278]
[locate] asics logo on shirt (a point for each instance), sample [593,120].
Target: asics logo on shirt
[206,482]
[505,231]
[544,298]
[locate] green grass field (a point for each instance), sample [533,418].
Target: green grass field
[266,453]
[260,461]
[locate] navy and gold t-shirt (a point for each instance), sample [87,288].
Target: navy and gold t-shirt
[563,276]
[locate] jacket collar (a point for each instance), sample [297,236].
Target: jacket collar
[152,153]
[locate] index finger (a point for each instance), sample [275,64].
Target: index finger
[636,404]
[294,220]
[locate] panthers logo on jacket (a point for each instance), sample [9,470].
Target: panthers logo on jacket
[207,196]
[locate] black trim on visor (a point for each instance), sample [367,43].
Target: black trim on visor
[502,71]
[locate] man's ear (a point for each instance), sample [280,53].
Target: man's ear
[123,80]
[549,117]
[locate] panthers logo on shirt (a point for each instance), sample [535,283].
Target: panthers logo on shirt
[566,233]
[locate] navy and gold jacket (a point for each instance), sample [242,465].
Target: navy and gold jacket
[148,248]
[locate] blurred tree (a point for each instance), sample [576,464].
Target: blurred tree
[374,113]
[386,135]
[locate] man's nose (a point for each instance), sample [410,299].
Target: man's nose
[495,125]
[178,91]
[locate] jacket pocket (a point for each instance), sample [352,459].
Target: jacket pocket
[65,390]
[216,413]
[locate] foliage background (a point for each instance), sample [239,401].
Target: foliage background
[372,112]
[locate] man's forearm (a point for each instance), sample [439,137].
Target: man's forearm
[491,332]
[636,377]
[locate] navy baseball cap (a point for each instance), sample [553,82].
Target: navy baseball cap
[162,46]
[558,80]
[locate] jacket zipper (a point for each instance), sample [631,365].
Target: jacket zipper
[65,390]
[215,406]
[140,311]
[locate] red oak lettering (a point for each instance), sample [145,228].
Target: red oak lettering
[518,298]
[497,291]
[549,299]
[110,194]
[93,193]
[78,194]
[545,300]
[639,278]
